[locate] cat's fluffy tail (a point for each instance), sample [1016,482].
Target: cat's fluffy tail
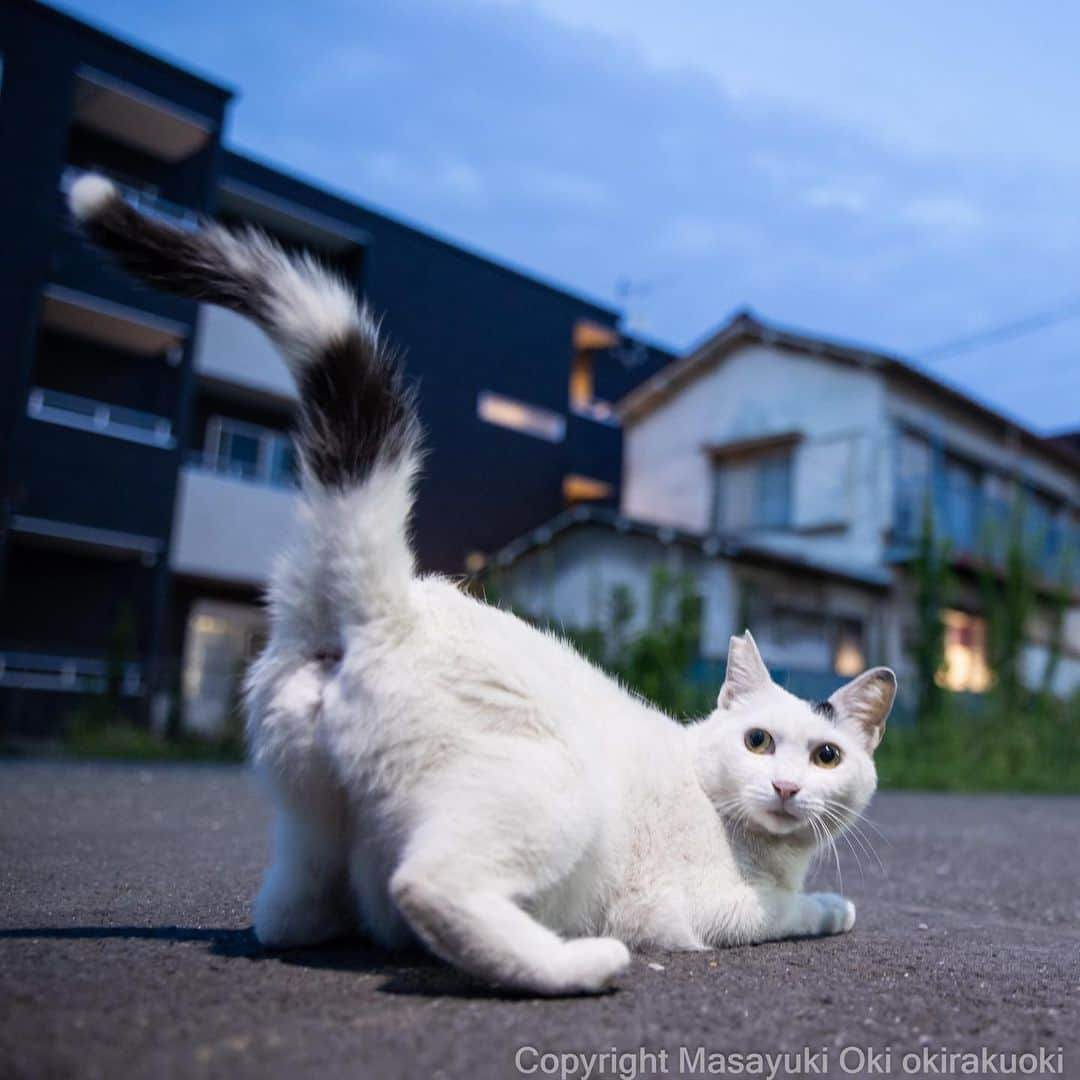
[358,432]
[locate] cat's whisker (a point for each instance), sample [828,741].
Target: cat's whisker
[861,817]
[842,831]
[817,823]
[865,843]
[865,840]
[850,828]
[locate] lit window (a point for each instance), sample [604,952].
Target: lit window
[584,489]
[220,641]
[518,416]
[966,666]
[581,382]
[848,657]
[589,339]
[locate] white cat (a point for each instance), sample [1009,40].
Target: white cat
[442,772]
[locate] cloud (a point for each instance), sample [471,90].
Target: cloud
[966,80]
[872,172]
[951,215]
[690,236]
[567,188]
[847,198]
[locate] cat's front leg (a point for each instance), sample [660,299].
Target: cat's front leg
[302,898]
[824,914]
[756,913]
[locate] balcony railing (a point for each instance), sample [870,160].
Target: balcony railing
[280,479]
[977,528]
[66,674]
[101,418]
[149,202]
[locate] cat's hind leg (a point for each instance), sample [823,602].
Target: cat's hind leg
[469,912]
[477,927]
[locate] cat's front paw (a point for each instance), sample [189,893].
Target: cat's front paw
[589,965]
[835,914]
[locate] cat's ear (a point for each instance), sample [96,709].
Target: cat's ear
[867,702]
[746,671]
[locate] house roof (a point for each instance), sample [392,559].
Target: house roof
[744,328]
[712,545]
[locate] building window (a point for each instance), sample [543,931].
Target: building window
[220,641]
[962,504]
[581,382]
[578,489]
[590,341]
[282,462]
[250,452]
[238,451]
[754,492]
[506,412]
[966,667]
[1041,523]
[914,462]
[849,659]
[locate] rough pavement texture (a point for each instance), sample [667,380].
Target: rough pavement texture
[125,950]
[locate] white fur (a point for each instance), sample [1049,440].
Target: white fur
[89,195]
[443,773]
[306,306]
[463,780]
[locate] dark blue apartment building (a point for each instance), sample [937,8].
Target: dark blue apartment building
[146,469]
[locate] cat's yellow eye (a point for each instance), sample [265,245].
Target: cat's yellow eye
[759,742]
[826,755]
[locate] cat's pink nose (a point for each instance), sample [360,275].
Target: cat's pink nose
[785,789]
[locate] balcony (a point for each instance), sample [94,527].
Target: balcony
[67,674]
[977,528]
[94,465]
[143,198]
[232,350]
[594,449]
[139,119]
[84,277]
[101,418]
[70,311]
[229,529]
[329,239]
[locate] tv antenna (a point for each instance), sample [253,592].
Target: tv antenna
[633,295]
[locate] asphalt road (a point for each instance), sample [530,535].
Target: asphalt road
[125,951]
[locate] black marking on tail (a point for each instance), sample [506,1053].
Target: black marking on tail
[825,709]
[185,262]
[355,410]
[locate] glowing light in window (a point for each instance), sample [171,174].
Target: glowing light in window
[518,416]
[966,666]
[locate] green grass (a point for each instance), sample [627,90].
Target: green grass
[972,745]
[92,739]
[1036,749]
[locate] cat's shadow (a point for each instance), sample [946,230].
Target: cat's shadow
[411,973]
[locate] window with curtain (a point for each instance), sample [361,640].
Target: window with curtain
[754,492]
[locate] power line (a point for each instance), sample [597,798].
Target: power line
[1005,332]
